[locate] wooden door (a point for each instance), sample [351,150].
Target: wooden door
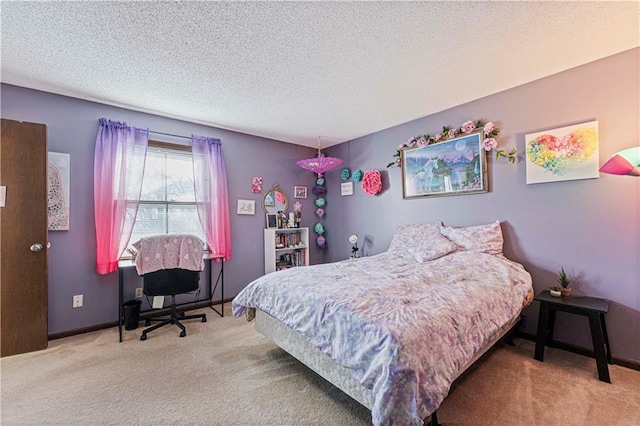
[23,237]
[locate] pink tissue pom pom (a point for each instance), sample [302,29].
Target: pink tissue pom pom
[372,182]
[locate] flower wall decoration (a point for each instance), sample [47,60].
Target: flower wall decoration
[256,184]
[489,143]
[372,182]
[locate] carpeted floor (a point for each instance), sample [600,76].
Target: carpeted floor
[225,373]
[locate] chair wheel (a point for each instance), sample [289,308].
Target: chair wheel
[204,319]
[143,337]
[183,333]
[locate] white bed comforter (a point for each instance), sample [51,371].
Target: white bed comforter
[403,329]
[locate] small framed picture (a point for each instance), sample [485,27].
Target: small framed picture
[272,220]
[299,192]
[346,188]
[246,206]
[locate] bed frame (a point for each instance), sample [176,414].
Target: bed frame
[300,348]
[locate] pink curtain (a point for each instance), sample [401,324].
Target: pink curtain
[210,181]
[117,182]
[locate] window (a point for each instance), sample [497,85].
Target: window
[167,202]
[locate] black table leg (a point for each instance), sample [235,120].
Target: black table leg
[603,324]
[120,300]
[597,336]
[543,329]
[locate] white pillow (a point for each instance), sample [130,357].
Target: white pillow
[410,235]
[481,238]
[431,248]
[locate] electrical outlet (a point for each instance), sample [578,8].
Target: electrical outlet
[139,293]
[77,301]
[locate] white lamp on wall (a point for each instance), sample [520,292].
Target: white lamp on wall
[353,239]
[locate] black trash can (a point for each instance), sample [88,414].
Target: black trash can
[131,314]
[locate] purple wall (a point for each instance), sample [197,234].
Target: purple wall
[72,125]
[589,227]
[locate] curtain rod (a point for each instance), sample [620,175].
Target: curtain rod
[170,134]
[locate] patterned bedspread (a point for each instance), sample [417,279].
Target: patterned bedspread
[402,328]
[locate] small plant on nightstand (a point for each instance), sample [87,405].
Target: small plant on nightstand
[564,282]
[555,291]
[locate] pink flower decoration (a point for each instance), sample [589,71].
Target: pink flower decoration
[422,141]
[488,128]
[438,136]
[372,182]
[452,133]
[256,184]
[489,143]
[468,127]
[280,197]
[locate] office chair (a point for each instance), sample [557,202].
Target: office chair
[170,265]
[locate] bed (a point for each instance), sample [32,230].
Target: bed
[394,330]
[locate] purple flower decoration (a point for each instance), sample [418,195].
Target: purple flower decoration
[297,207]
[321,241]
[452,133]
[320,212]
[468,127]
[488,128]
[438,136]
[489,143]
[319,190]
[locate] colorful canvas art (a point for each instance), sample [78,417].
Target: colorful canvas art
[566,153]
[454,167]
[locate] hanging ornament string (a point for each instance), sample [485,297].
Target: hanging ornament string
[319,165]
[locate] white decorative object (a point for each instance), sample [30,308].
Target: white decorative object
[58,190]
[346,188]
[353,239]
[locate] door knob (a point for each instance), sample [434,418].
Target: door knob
[36,247]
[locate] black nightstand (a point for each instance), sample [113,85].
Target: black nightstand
[592,307]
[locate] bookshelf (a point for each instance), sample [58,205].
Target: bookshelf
[285,248]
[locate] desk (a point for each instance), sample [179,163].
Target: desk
[591,307]
[208,258]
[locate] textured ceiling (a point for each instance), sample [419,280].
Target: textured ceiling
[293,71]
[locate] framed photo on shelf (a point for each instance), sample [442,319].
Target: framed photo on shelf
[272,220]
[299,192]
[246,206]
[454,167]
